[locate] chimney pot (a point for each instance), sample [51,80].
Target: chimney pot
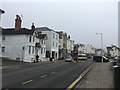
[33,26]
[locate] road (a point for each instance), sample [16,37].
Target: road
[52,75]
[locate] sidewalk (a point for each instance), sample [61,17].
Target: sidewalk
[100,76]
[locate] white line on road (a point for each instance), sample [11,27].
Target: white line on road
[27,82]
[52,73]
[43,76]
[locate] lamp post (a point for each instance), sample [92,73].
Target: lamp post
[101,43]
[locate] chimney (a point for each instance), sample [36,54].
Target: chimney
[69,36]
[32,27]
[18,22]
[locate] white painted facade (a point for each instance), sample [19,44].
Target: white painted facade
[1,12]
[86,49]
[114,52]
[70,45]
[0,42]
[52,43]
[20,47]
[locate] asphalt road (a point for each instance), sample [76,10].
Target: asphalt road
[51,75]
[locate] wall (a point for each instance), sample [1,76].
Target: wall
[13,46]
[50,40]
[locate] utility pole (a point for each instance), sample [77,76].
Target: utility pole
[101,35]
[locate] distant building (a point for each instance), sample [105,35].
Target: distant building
[66,45]
[70,45]
[87,49]
[52,43]
[98,52]
[113,51]
[1,12]
[23,44]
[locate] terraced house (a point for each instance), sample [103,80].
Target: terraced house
[52,42]
[1,12]
[23,44]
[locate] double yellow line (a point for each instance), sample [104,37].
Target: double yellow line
[80,77]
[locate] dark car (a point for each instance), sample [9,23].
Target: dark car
[99,59]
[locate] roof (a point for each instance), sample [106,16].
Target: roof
[12,31]
[43,29]
[40,29]
[42,36]
[2,11]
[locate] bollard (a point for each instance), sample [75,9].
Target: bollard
[116,77]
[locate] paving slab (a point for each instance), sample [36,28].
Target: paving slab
[100,76]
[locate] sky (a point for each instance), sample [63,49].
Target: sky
[80,19]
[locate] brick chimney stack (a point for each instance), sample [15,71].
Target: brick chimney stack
[33,26]
[18,22]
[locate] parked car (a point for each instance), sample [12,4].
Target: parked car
[82,57]
[99,59]
[68,59]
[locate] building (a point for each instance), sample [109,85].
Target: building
[52,43]
[23,44]
[70,45]
[87,49]
[113,51]
[100,52]
[1,12]
[66,45]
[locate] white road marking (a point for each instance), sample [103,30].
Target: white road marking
[27,82]
[52,73]
[43,76]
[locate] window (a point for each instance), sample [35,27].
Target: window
[42,42]
[56,37]
[41,50]
[29,49]
[53,35]
[56,44]
[30,37]
[44,51]
[3,37]
[33,50]
[33,39]
[53,43]
[3,49]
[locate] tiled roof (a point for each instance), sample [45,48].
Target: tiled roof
[12,31]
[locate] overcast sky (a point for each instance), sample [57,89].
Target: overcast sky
[81,20]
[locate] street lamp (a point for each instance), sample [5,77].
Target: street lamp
[101,43]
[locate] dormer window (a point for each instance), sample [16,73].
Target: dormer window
[33,39]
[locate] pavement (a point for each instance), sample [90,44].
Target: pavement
[100,76]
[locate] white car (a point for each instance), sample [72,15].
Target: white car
[68,59]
